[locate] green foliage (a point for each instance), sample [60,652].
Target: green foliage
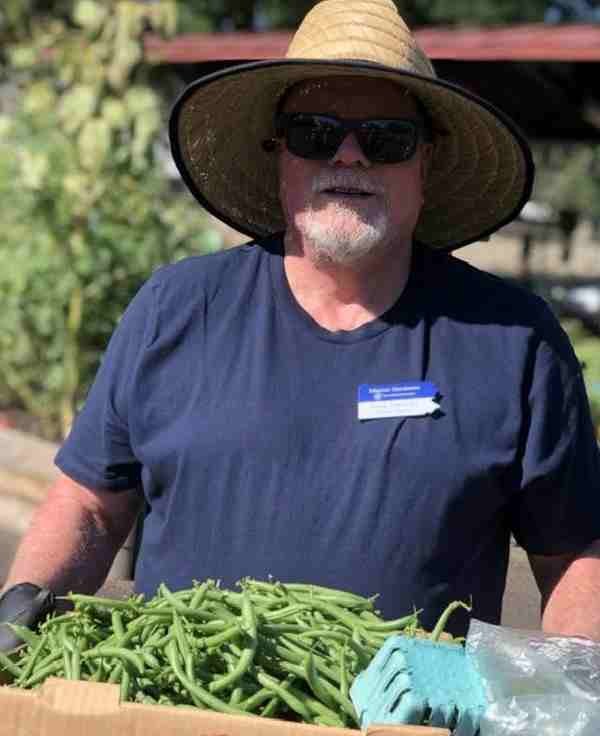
[85,211]
[471,12]
[568,176]
[242,14]
[587,349]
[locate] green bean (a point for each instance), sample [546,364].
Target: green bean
[8,665]
[160,600]
[375,641]
[337,613]
[283,613]
[273,589]
[270,709]
[362,655]
[274,629]
[343,702]
[249,628]
[332,691]
[253,701]
[148,628]
[65,640]
[43,672]
[329,592]
[28,669]
[54,654]
[76,665]
[96,673]
[116,653]
[117,624]
[52,621]
[196,691]
[232,632]
[179,634]
[66,657]
[236,696]
[97,602]
[342,599]
[23,632]
[125,685]
[154,635]
[292,701]
[314,682]
[159,613]
[163,641]
[395,624]
[443,620]
[150,659]
[210,627]
[199,595]
[217,610]
[344,688]
[324,720]
[297,653]
[316,707]
[115,674]
[181,607]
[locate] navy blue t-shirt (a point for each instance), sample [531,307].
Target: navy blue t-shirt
[236,413]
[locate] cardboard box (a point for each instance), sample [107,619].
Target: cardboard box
[66,708]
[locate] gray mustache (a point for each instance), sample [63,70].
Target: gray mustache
[345,181]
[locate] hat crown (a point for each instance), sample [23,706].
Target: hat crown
[366,30]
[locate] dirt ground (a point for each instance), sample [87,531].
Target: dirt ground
[503,255]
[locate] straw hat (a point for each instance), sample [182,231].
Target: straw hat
[482,170]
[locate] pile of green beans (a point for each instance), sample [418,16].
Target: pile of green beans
[279,650]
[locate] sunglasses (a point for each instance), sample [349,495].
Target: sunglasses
[318,137]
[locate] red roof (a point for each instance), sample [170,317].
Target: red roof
[533,42]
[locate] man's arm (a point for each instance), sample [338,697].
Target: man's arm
[570,590]
[73,537]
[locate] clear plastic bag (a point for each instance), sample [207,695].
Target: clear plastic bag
[536,684]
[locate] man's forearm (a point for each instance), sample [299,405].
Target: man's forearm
[68,546]
[573,606]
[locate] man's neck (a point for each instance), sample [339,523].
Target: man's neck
[345,297]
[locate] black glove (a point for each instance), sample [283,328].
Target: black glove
[25,604]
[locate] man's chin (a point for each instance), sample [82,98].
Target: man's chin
[346,249]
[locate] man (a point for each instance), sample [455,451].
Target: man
[340,401]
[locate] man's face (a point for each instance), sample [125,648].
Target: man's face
[348,207]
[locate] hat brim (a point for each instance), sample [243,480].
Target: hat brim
[480,178]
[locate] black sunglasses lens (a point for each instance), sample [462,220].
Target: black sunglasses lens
[388,141]
[318,137]
[313,137]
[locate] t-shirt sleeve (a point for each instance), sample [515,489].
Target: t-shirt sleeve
[97,451]
[557,507]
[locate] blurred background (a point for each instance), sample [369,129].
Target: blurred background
[90,202]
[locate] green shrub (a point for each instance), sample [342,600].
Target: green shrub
[587,349]
[86,213]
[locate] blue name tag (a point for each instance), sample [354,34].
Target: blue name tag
[402,399]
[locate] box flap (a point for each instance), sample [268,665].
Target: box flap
[75,697]
[64,708]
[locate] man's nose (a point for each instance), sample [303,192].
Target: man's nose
[350,153]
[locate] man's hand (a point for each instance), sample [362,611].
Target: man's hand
[26,605]
[570,590]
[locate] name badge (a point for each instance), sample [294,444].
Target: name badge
[403,399]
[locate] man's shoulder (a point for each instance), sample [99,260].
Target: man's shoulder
[471,296]
[206,274]
[469,288]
